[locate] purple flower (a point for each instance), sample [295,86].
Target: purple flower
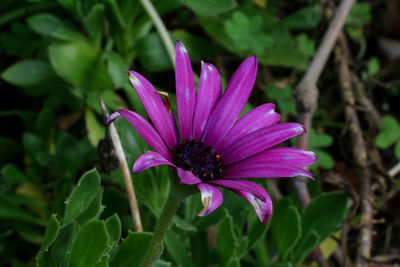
[214,147]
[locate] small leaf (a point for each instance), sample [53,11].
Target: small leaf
[183,225]
[305,18]
[131,251]
[209,8]
[96,132]
[82,195]
[113,225]
[116,68]
[12,175]
[324,160]
[227,243]
[52,229]
[50,25]
[287,232]
[90,243]
[175,246]
[80,64]
[397,150]
[60,250]
[318,140]
[27,73]
[306,245]
[153,55]
[324,214]
[10,210]
[390,132]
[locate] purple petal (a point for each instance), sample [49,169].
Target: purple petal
[185,91]
[263,208]
[211,197]
[144,128]
[258,118]
[241,185]
[231,103]
[260,140]
[155,108]
[187,177]
[208,93]
[260,170]
[293,157]
[148,160]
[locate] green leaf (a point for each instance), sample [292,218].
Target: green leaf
[131,251]
[360,15]
[9,149]
[116,68]
[68,155]
[94,21]
[227,243]
[287,231]
[44,123]
[390,132]
[153,55]
[52,229]
[43,259]
[183,224]
[60,250]
[175,246]
[305,18]
[161,263]
[93,211]
[324,160]
[90,243]
[397,150]
[96,132]
[324,214]
[257,231]
[82,195]
[306,245]
[27,73]
[209,8]
[30,232]
[80,64]
[373,66]
[50,25]
[10,210]
[113,225]
[197,47]
[318,140]
[12,175]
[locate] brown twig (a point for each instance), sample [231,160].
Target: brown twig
[306,93]
[125,172]
[359,151]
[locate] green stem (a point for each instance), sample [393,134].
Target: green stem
[162,30]
[178,192]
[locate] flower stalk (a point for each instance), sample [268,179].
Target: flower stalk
[177,193]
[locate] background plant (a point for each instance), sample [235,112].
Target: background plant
[60,58]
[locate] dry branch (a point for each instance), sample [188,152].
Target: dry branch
[359,151]
[125,172]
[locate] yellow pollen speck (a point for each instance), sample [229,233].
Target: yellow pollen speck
[191,169]
[220,170]
[212,175]
[217,156]
[204,174]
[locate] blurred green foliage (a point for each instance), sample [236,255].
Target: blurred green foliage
[60,58]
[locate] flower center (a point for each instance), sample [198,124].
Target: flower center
[199,159]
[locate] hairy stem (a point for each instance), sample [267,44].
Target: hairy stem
[178,192]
